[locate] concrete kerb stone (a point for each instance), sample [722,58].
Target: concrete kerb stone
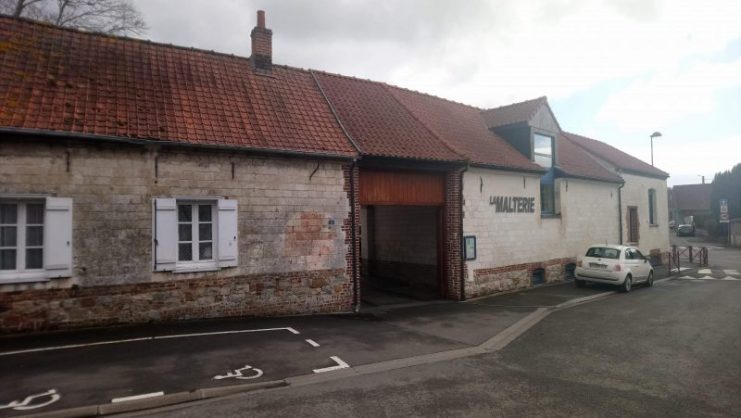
[159,401]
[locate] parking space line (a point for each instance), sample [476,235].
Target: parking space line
[156,337]
[312,342]
[340,365]
[137,397]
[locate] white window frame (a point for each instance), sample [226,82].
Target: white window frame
[21,273]
[56,242]
[224,234]
[196,264]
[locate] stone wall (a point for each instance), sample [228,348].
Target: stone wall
[516,276]
[293,218]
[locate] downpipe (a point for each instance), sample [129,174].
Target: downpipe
[620,212]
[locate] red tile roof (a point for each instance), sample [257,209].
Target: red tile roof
[378,123]
[513,113]
[462,128]
[69,81]
[691,196]
[575,162]
[615,157]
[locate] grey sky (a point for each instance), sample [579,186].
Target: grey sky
[615,70]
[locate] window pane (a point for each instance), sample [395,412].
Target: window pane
[34,235]
[185,213]
[34,258]
[185,252]
[204,213]
[204,232]
[543,160]
[204,251]
[185,232]
[8,236]
[543,150]
[8,214]
[546,198]
[35,214]
[7,259]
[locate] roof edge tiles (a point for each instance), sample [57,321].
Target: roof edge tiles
[620,159]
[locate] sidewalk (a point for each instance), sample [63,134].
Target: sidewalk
[93,367]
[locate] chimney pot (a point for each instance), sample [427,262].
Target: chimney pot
[261,18]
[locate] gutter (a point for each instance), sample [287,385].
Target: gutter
[620,212]
[164,143]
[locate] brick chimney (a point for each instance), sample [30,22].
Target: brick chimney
[262,45]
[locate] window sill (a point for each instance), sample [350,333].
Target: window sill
[550,216]
[16,278]
[653,225]
[192,268]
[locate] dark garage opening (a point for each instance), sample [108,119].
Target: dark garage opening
[400,254]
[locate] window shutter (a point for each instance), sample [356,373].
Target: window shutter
[58,237]
[227,234]
[165,234]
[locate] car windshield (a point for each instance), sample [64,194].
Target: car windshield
[603,252]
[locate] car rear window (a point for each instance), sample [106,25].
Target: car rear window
[603,252]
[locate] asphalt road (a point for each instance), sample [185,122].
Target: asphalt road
[670,350]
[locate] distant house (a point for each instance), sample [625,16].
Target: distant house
[145,182]
[690,201]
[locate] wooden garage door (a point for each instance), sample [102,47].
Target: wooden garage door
[379,187]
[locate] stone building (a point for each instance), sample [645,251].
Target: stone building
[144,182]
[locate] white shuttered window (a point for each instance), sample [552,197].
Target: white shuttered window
[35,239]
[195,234]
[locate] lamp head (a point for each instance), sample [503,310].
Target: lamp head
[656,134]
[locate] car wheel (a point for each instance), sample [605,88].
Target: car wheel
[650,280]
[580,282]
[627,284]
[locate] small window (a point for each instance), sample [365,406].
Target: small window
[652,207]
[548,194]
[35,239]
[192,235]
[543,150]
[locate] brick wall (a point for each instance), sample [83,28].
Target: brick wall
[453,245]
[293,216]
[258,295]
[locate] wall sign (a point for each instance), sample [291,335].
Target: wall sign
[513,204]
[469,247]
[724,218]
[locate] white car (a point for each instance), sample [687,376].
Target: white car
[614,264]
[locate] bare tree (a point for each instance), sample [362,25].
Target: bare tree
[115,17]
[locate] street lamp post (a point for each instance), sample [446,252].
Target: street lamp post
[653,135]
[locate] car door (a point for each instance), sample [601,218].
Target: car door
[631,264]
[644,265]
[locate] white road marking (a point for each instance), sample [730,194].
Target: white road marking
[731,272]
[137,397]
[340,365]
[157,337]
[312,342]
[238,374]
[709,278]
[681,269]
[24,404]
[705,271]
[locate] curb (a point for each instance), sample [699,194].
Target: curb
[160,401]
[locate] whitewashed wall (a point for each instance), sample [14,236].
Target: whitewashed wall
[588,214]
[635,193]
